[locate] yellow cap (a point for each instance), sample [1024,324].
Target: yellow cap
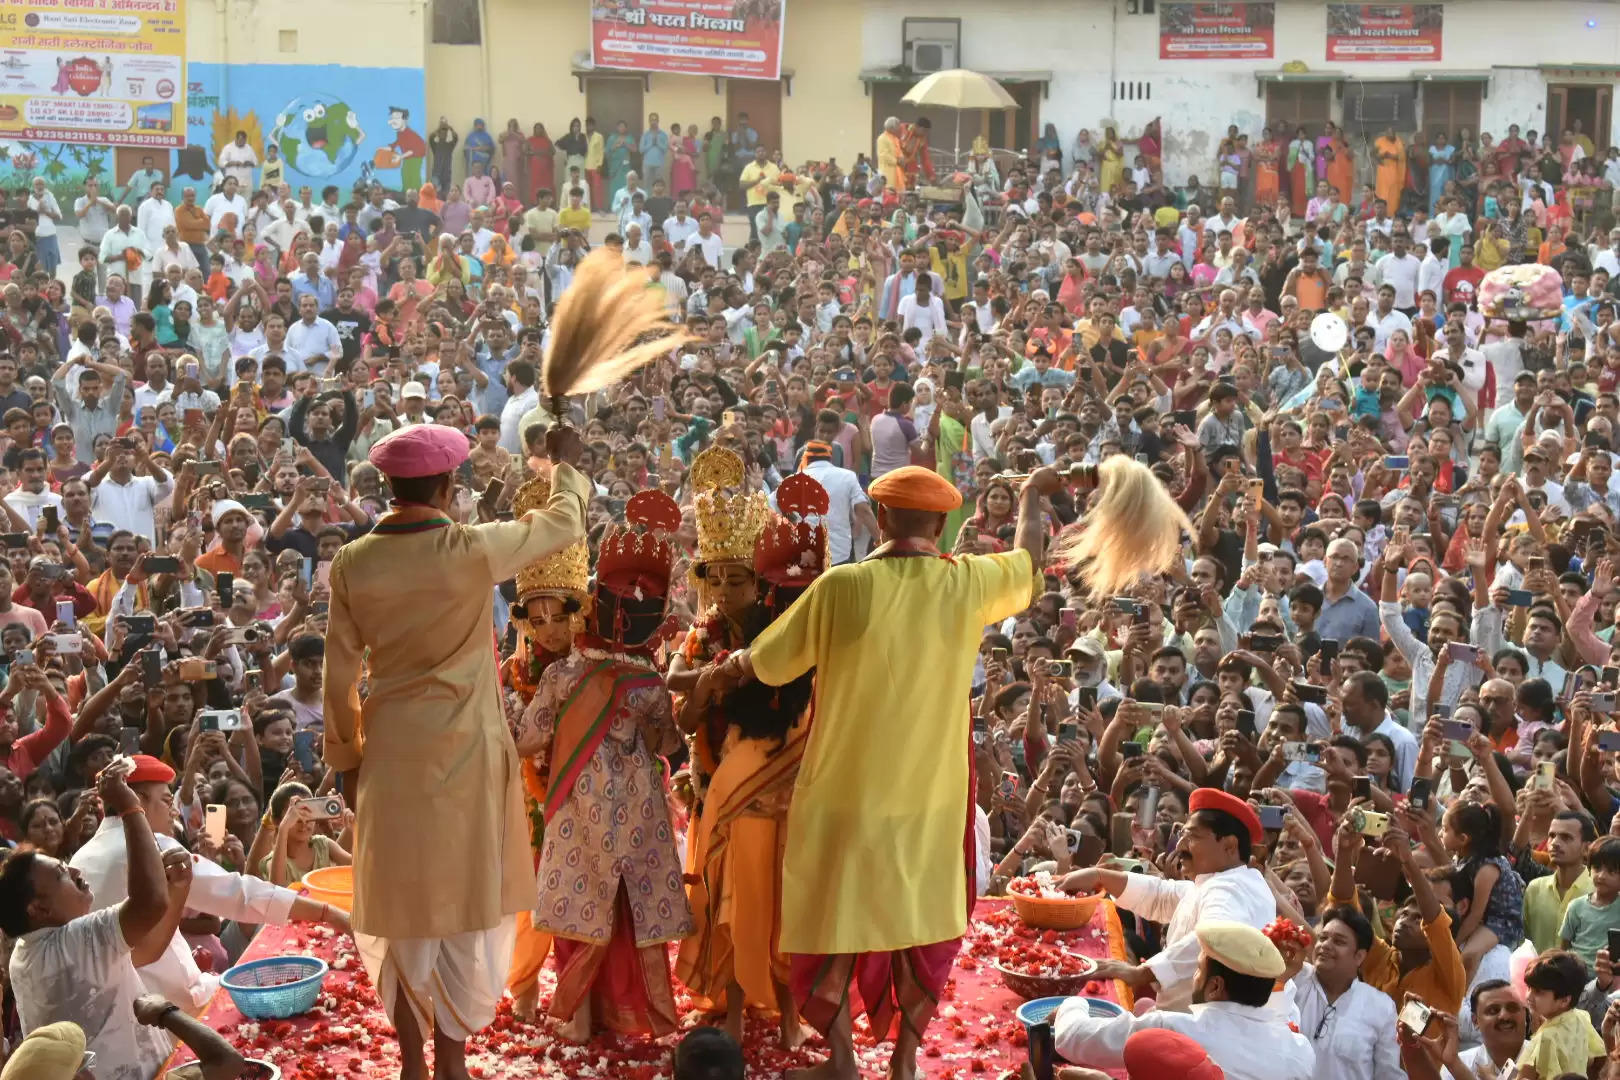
[1242,948]
[52,1052]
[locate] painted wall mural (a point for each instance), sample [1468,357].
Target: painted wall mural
[329,124]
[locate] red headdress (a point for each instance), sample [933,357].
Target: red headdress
[636,560]
[792,551]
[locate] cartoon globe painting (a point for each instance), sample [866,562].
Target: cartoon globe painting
[319,135]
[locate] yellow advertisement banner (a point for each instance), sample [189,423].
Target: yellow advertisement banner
[110,72]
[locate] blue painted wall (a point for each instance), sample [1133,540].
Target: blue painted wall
[330,121]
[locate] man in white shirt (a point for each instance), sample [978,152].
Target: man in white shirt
[1609,258]
[1385,319]
[1226,221]
[311,341]
[708,241]
[46,248]
[636,248]
[238,160]
[74,963]
[155,212]
[103,863]
[923,310]
[770,225]
[1380,222]
[847,505]
[31,495]
[285,228]
[680,227]
[227,200]
[522,396]
[1400,269]
[116,242]
[1229,1018]
[1433,269]
[120,497]
[1349,1024]
[1221,830]
[94,211]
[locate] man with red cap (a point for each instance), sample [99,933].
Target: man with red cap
[71,963]
[428,761]
[214,890]
[1231,1017]
[886,762]
[1220,832]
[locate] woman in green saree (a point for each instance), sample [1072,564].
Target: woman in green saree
[953,455]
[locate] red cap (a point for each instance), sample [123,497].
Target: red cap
[1154,1053]
[1208,798]
[149,770]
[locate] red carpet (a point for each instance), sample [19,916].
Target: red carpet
[347,1036]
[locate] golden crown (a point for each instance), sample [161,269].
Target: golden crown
[729,519]
[562,573]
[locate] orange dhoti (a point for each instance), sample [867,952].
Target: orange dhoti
[734,879]
[532,946]
[529,954]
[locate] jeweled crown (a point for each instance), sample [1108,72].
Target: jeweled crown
[729,519]
[562,573]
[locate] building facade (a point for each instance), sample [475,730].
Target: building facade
[276,69]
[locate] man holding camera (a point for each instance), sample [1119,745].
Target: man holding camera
[104,861]
[119,496]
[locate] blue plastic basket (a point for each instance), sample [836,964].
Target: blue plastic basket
[1041,1010]
[278,988]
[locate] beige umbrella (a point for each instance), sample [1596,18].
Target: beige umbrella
[960,89]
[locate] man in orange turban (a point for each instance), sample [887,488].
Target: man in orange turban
[886,764]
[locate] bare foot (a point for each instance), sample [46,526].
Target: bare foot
[449,1060]
[791,1036]
[825,1071]
[578,1027]
[524,1004]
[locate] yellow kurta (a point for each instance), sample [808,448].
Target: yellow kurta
[874,835]
[441,836]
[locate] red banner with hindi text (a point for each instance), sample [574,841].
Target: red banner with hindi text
[1384,31]
[1217,31]
[739,39]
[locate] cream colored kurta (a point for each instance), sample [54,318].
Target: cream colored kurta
[441,837]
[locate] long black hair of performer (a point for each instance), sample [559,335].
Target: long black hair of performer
[769,712]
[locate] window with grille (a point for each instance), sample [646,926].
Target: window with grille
[455,22]
[1294,105]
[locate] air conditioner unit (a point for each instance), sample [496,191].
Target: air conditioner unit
[927,55]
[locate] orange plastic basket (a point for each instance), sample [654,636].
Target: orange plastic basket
[331,885]
[1048,914]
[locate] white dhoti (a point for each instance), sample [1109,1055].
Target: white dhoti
[451,984]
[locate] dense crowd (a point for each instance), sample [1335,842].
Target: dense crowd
[1390,639]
